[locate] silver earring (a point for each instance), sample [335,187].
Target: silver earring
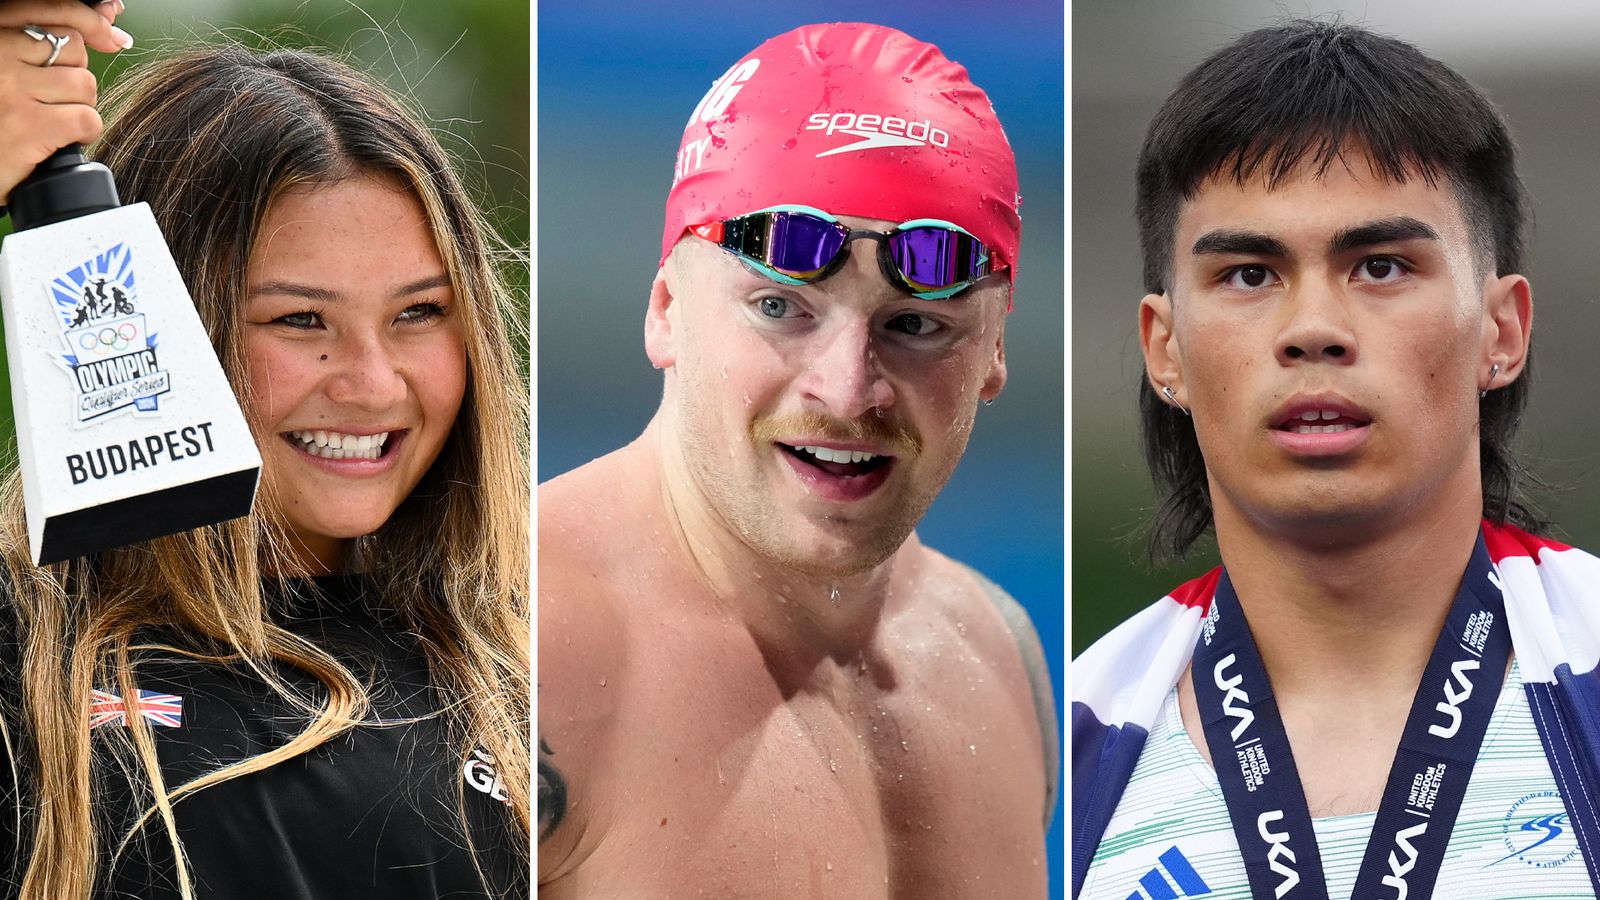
[1172,397]
[1493,371]
[989,402]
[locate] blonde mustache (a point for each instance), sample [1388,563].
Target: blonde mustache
[896,439]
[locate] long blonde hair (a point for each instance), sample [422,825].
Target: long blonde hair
[210,138]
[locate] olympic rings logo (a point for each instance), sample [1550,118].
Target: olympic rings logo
[118,338]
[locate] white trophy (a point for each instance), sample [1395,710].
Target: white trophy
[127,428]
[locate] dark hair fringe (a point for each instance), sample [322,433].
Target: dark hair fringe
[1302,93]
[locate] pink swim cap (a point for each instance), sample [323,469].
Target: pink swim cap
[855,120]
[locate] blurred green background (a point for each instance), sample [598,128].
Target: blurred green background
[465,63]
[1536,63]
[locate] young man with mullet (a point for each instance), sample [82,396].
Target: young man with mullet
[754,679]
[1388,688]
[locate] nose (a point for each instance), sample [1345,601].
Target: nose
[845,379]
[366,371]
[1317,327]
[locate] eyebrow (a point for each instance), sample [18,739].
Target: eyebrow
[323,295]
[1244,243]
[1383,231]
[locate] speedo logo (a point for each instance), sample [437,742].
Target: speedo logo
[1398,870]
[1279,856]
[1235,702]
[876,131]
[1451,706]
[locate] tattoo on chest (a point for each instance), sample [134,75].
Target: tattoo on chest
[552,792]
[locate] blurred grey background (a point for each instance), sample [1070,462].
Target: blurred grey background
[1538,61]
[617,83]
[465,63]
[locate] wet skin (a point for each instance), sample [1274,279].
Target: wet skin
[699,752]
[754,681]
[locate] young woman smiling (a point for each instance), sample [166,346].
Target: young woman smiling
[351,661]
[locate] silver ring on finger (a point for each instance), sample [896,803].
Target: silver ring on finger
[57,41]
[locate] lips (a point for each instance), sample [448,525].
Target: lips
[838,473]
[1320,425]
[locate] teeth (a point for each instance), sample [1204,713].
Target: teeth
[1318,415]
[1320,429]
[336,445]
[837,456]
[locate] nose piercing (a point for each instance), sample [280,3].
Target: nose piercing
[1172,397]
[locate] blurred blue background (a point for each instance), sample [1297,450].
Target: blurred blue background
[614,90]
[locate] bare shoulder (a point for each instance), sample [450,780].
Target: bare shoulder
[581,628]
[1013,633]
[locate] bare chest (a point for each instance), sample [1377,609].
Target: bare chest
[879,776]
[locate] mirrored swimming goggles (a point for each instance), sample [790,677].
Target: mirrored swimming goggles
[928,258]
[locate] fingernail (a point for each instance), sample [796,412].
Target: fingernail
[123,38]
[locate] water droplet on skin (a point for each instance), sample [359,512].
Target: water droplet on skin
[905,746]
[833,765]
[830,867]
[973,749]
[833,595]
[602,682]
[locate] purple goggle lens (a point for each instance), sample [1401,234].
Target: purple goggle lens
[928,258]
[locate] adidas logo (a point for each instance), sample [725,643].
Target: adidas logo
[1172,879]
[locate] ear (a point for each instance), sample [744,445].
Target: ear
[1507,329]
[995,381]
[659,344]
[1163,363]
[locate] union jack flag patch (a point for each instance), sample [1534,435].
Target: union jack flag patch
[107,708]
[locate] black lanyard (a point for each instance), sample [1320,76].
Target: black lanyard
[1426,782]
